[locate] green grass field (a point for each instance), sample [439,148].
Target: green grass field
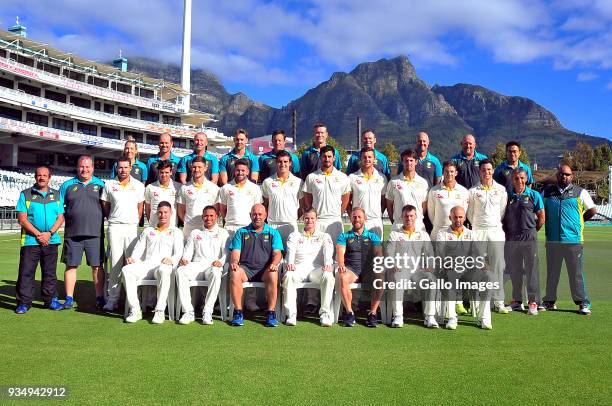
[553,358]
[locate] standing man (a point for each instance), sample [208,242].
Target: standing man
[164,154]
[200,142]
[195,195]
[524,218]
[381,163]
[40,212]
[310,161]
[203,259]
[443,197]
[407,188]
[161,247]
[310,257]
[162,190]
[122,203]
[327,190]
[468,161]
[237,197]
[368,187]
[486,208]
[355,252]
[428,165]
[281,196]
[415,244]
[139,168]
[256,253]
[458,242]
[503,172]
[239,153]
[84,228]
[567,207]
[267,161]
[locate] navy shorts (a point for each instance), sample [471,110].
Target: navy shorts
[253,275]
[72,254]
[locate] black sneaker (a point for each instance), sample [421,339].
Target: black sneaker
[372,320]
[349,320]
[100,302]
[310,309]
[548,306]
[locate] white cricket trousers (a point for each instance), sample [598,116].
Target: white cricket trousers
[133,274]
[198,271]
[333,227]
[291,279]
[428,296]
[121,241]
[284,229]
[495,238]
[375,226]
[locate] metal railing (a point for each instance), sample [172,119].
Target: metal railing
[8,219]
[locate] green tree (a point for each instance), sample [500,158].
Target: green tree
[390,151]
[602,157]
[583,157]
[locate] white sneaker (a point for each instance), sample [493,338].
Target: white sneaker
[291,320]
[430,322]
[159,317]
[533,309]
[133,316]
[110,306]
[186,318]
[485,324]
[500,308]
[397,322]
[451,324]
[326,320]
[207,318]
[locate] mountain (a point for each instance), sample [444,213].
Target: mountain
[388,96]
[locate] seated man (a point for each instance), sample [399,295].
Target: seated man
[256,252]
[355,251]
[415,244]
[466,270]
[309,258]
[203,259]
[162,247]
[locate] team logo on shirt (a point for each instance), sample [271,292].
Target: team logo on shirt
[74,189]
[507,172]
[359,182]
[526,199]
[114,189]
[428,165]
[96,188]
[350,240]
[247,236]
[51,197]
[266,237]
[230,193]
[274,184]
[34,197]
[478,194]
[476,163]
[318,181]
[155,194]
[152,233]
[189,192]
[136,171]
[439,196]
[198,237]
[398,186]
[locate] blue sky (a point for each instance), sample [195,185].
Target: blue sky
[558,53]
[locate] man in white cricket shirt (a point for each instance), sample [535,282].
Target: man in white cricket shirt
[162,190]
[443,197]
[416,245]
[309,259]
[407,188]
[122,203]
[281,195]
[368,191]
[203,259]
[162,248]
[455,242]
[194,196]
[327,190]
[486,209]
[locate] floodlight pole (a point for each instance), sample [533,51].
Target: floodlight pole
[186,59]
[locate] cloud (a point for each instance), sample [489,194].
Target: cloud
[586,76]
[288,43]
